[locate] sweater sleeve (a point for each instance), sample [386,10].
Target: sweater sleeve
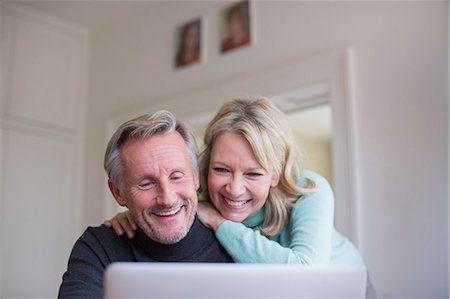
[84,275]
[309,232]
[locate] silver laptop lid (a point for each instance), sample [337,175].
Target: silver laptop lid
[204,280]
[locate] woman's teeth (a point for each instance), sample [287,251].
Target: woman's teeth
[236,204]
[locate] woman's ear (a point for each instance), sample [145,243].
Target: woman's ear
[275,180]
[117,194]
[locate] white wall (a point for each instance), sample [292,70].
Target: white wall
[401,111]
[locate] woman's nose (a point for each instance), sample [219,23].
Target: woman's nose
[236,186]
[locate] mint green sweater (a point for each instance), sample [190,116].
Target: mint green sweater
[308,239]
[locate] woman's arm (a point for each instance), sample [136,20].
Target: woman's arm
[305,240]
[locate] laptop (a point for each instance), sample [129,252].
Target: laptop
[237,281]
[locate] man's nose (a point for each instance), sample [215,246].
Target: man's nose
[166,194]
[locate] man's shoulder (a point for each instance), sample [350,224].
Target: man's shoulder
[101,231]
[102,235]
[104,244]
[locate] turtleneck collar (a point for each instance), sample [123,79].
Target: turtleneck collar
[256,219]
[194,242]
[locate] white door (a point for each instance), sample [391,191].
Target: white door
[41,113]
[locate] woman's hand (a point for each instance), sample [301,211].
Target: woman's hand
[122,222]
[209,216]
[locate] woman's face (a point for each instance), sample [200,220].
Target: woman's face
[238,185]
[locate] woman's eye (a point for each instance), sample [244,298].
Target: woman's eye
[254,174]
[220,169]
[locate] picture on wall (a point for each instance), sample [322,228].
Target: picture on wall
[188,43]
[235,26]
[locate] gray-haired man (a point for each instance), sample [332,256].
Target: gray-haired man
[151,162]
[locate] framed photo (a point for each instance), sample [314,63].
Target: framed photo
[236,31]
[188,43]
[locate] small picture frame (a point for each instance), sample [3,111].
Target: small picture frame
[235,27]
[188,43]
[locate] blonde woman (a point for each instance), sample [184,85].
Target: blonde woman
[261,205]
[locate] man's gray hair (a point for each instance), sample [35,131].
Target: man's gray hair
[159,123]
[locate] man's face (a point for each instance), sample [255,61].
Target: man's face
[159,186]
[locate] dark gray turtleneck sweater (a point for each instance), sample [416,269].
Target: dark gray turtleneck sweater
[100,246]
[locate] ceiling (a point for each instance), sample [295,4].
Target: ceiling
[92,15]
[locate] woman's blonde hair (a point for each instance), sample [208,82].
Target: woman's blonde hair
[265,128]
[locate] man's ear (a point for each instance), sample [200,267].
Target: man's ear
[197,179]
[117,194]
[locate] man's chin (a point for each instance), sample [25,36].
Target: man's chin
[169,230]
[169,233]
[170,238]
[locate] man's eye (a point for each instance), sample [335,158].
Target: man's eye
[178,176]
[146,185]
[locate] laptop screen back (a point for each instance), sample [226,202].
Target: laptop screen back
[189,280]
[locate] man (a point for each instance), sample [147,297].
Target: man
[152,166]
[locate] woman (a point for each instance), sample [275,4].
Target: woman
[255,197]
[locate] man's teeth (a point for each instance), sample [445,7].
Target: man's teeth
[169,213]
[236,204]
